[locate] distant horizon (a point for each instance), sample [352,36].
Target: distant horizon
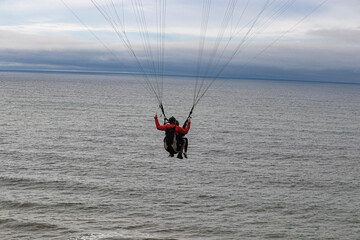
[89,72]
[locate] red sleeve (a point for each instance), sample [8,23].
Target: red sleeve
[183,131]
[158,126]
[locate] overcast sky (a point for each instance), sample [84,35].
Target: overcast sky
[40,35]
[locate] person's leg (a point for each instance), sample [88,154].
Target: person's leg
[171,151]
[186,141]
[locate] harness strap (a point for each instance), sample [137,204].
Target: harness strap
[185,123]
[163,112]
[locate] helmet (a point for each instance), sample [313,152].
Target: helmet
[172,120]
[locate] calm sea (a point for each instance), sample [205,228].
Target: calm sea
[81,159]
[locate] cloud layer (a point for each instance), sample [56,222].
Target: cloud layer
[47,36]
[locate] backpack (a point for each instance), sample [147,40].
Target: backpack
[170,140]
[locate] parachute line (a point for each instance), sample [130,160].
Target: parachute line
[203,89]
[110,14]
[234,34]
[286,32]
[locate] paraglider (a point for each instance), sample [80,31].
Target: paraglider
[235,31]
[174,141]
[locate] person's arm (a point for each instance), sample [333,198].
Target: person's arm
[186,130]
[158,126]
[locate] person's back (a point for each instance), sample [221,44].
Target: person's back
[170,140]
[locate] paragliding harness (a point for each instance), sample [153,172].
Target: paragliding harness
[175,143]
[170,142]
[170,136]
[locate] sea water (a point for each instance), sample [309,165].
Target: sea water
[81,159]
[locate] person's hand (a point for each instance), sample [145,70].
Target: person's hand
[155,117]
[189,120]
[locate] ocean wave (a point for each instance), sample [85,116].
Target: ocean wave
[23,225]
[123,235]
[7,204]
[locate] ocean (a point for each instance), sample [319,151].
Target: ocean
[81,159]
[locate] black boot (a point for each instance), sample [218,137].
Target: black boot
[180,156]
[171,151]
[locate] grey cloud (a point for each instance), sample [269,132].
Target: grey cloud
[294,59]
[26,41]
[61,59]
[102,61]
[346,35]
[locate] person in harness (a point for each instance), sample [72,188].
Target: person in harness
[172,132]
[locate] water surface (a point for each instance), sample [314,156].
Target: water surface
[81,159]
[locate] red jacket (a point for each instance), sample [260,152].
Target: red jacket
[178,129]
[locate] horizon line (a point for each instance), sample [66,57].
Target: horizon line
[88,72]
